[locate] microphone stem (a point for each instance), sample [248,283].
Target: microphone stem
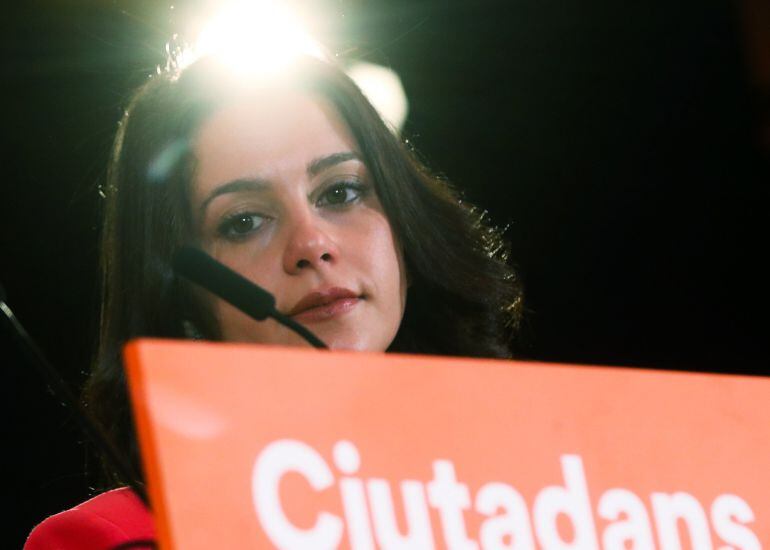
[290,323]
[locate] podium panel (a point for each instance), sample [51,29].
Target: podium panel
[248,446]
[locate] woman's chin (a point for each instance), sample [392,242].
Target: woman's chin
[343,343]
[344,340]
[336,336]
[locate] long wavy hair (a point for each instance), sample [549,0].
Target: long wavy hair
[464,297]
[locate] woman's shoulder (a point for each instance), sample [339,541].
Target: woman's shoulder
[108,520]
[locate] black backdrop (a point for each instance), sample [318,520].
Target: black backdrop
[616,140]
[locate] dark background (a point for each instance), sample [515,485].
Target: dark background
[625,145]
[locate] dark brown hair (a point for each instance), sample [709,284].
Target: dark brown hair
[464,298]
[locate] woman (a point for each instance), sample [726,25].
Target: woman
[297,184]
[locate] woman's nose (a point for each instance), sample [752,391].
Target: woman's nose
[310,246]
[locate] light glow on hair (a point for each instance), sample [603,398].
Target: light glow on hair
[383,88]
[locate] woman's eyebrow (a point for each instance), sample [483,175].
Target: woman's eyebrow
[235,186]
[315,167]
[320,164]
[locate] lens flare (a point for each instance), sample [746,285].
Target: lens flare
[258,38]
[255,37]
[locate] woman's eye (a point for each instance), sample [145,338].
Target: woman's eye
[341,193]
[240,225]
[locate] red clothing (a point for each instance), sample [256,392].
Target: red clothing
[104,522]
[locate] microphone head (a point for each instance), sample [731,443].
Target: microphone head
[200,268]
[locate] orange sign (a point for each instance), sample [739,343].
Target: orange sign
[256,447]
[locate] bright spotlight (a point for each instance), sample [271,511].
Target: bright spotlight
[255,37]
[383,88]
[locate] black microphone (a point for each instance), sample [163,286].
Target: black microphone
[62,391]
[256,302]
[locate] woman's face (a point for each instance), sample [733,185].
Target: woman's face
[282,196]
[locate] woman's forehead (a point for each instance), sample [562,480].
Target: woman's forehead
[263,134]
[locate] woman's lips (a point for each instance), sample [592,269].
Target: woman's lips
[326,311]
